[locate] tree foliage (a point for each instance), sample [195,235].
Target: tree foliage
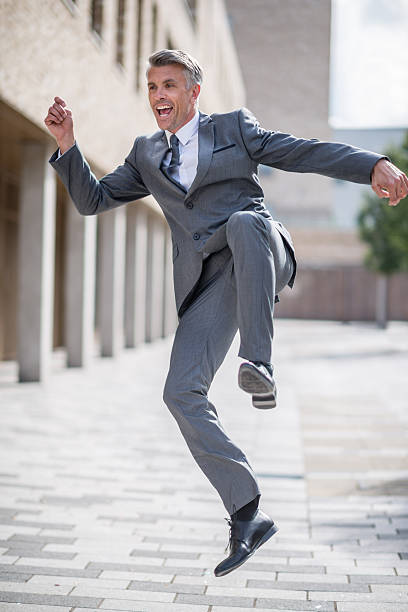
[385,228]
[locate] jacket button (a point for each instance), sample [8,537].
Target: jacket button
[189,205]
[196,236]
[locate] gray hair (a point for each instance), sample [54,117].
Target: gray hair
[191,68]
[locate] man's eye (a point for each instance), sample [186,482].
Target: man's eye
[169,84]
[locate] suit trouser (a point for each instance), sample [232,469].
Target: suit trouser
[236,291]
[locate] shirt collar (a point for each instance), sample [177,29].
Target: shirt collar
[185,133]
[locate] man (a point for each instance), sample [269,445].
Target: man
[230,257]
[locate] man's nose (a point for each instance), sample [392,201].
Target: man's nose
[159,94]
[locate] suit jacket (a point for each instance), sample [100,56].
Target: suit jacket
[230,147]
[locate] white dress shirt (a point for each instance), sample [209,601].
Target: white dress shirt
[188,147]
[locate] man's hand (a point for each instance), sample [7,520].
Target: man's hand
[60,124]
[387,181]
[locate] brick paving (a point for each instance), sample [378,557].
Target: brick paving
[102,508]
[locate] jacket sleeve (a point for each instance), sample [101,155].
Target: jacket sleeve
[286,152]
[92,196]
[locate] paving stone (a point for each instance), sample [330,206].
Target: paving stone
[366,571]
[212,600]
[73,581]
[18,607]
[400,589]
[14,577]
[41,539]
[128,567]
[48,562]
[51,571]
[297,568]
[337,596]
[141,606]
[140,585]
[228,609]
[307,576]
[28,587]
[343,606]
[58,600]
[309,586]
[39,554]
[287,604]
[143,576]
[36,524]
[163,554]
[379,579]
[238,579]
[132,595]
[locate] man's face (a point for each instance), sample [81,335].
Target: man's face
[172,103]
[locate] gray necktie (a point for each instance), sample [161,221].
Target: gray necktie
[172,170]
[173,167]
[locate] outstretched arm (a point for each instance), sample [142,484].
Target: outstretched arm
[90,195]
[333,159]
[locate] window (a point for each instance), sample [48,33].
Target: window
[154,27]
[139,17]
[120,32]
[97,16]
[192,10]
[71,6]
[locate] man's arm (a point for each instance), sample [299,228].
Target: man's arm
[89,195]
[333,159]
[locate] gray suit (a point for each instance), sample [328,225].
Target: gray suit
[218,287]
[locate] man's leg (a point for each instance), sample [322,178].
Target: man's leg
[262,268]
[203,337]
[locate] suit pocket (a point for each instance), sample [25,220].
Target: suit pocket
[224,148]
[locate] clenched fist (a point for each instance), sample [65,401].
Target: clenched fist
[59,122]
[388,181]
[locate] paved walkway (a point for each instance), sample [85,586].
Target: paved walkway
[102,508]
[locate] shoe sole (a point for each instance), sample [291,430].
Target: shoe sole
[271,531]
[252,381]
[265,401]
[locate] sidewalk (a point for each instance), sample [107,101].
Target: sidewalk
[102,507]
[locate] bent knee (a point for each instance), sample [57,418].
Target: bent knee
[176,393]
[243,220]
[183,399]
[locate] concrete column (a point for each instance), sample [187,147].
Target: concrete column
[35,262]
[136,268]
[80,286]
[112,277]
[155,278]
[170,313]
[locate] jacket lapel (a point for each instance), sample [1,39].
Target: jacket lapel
[160,149]
[205,150]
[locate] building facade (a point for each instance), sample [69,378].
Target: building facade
[284,50]
[90,285]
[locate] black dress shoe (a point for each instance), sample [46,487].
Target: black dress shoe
[257,378]
[245,538]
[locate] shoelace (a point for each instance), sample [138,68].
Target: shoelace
[231,535]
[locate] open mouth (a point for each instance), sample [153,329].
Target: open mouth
[164,110]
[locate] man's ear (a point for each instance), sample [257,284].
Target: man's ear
[196,91]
